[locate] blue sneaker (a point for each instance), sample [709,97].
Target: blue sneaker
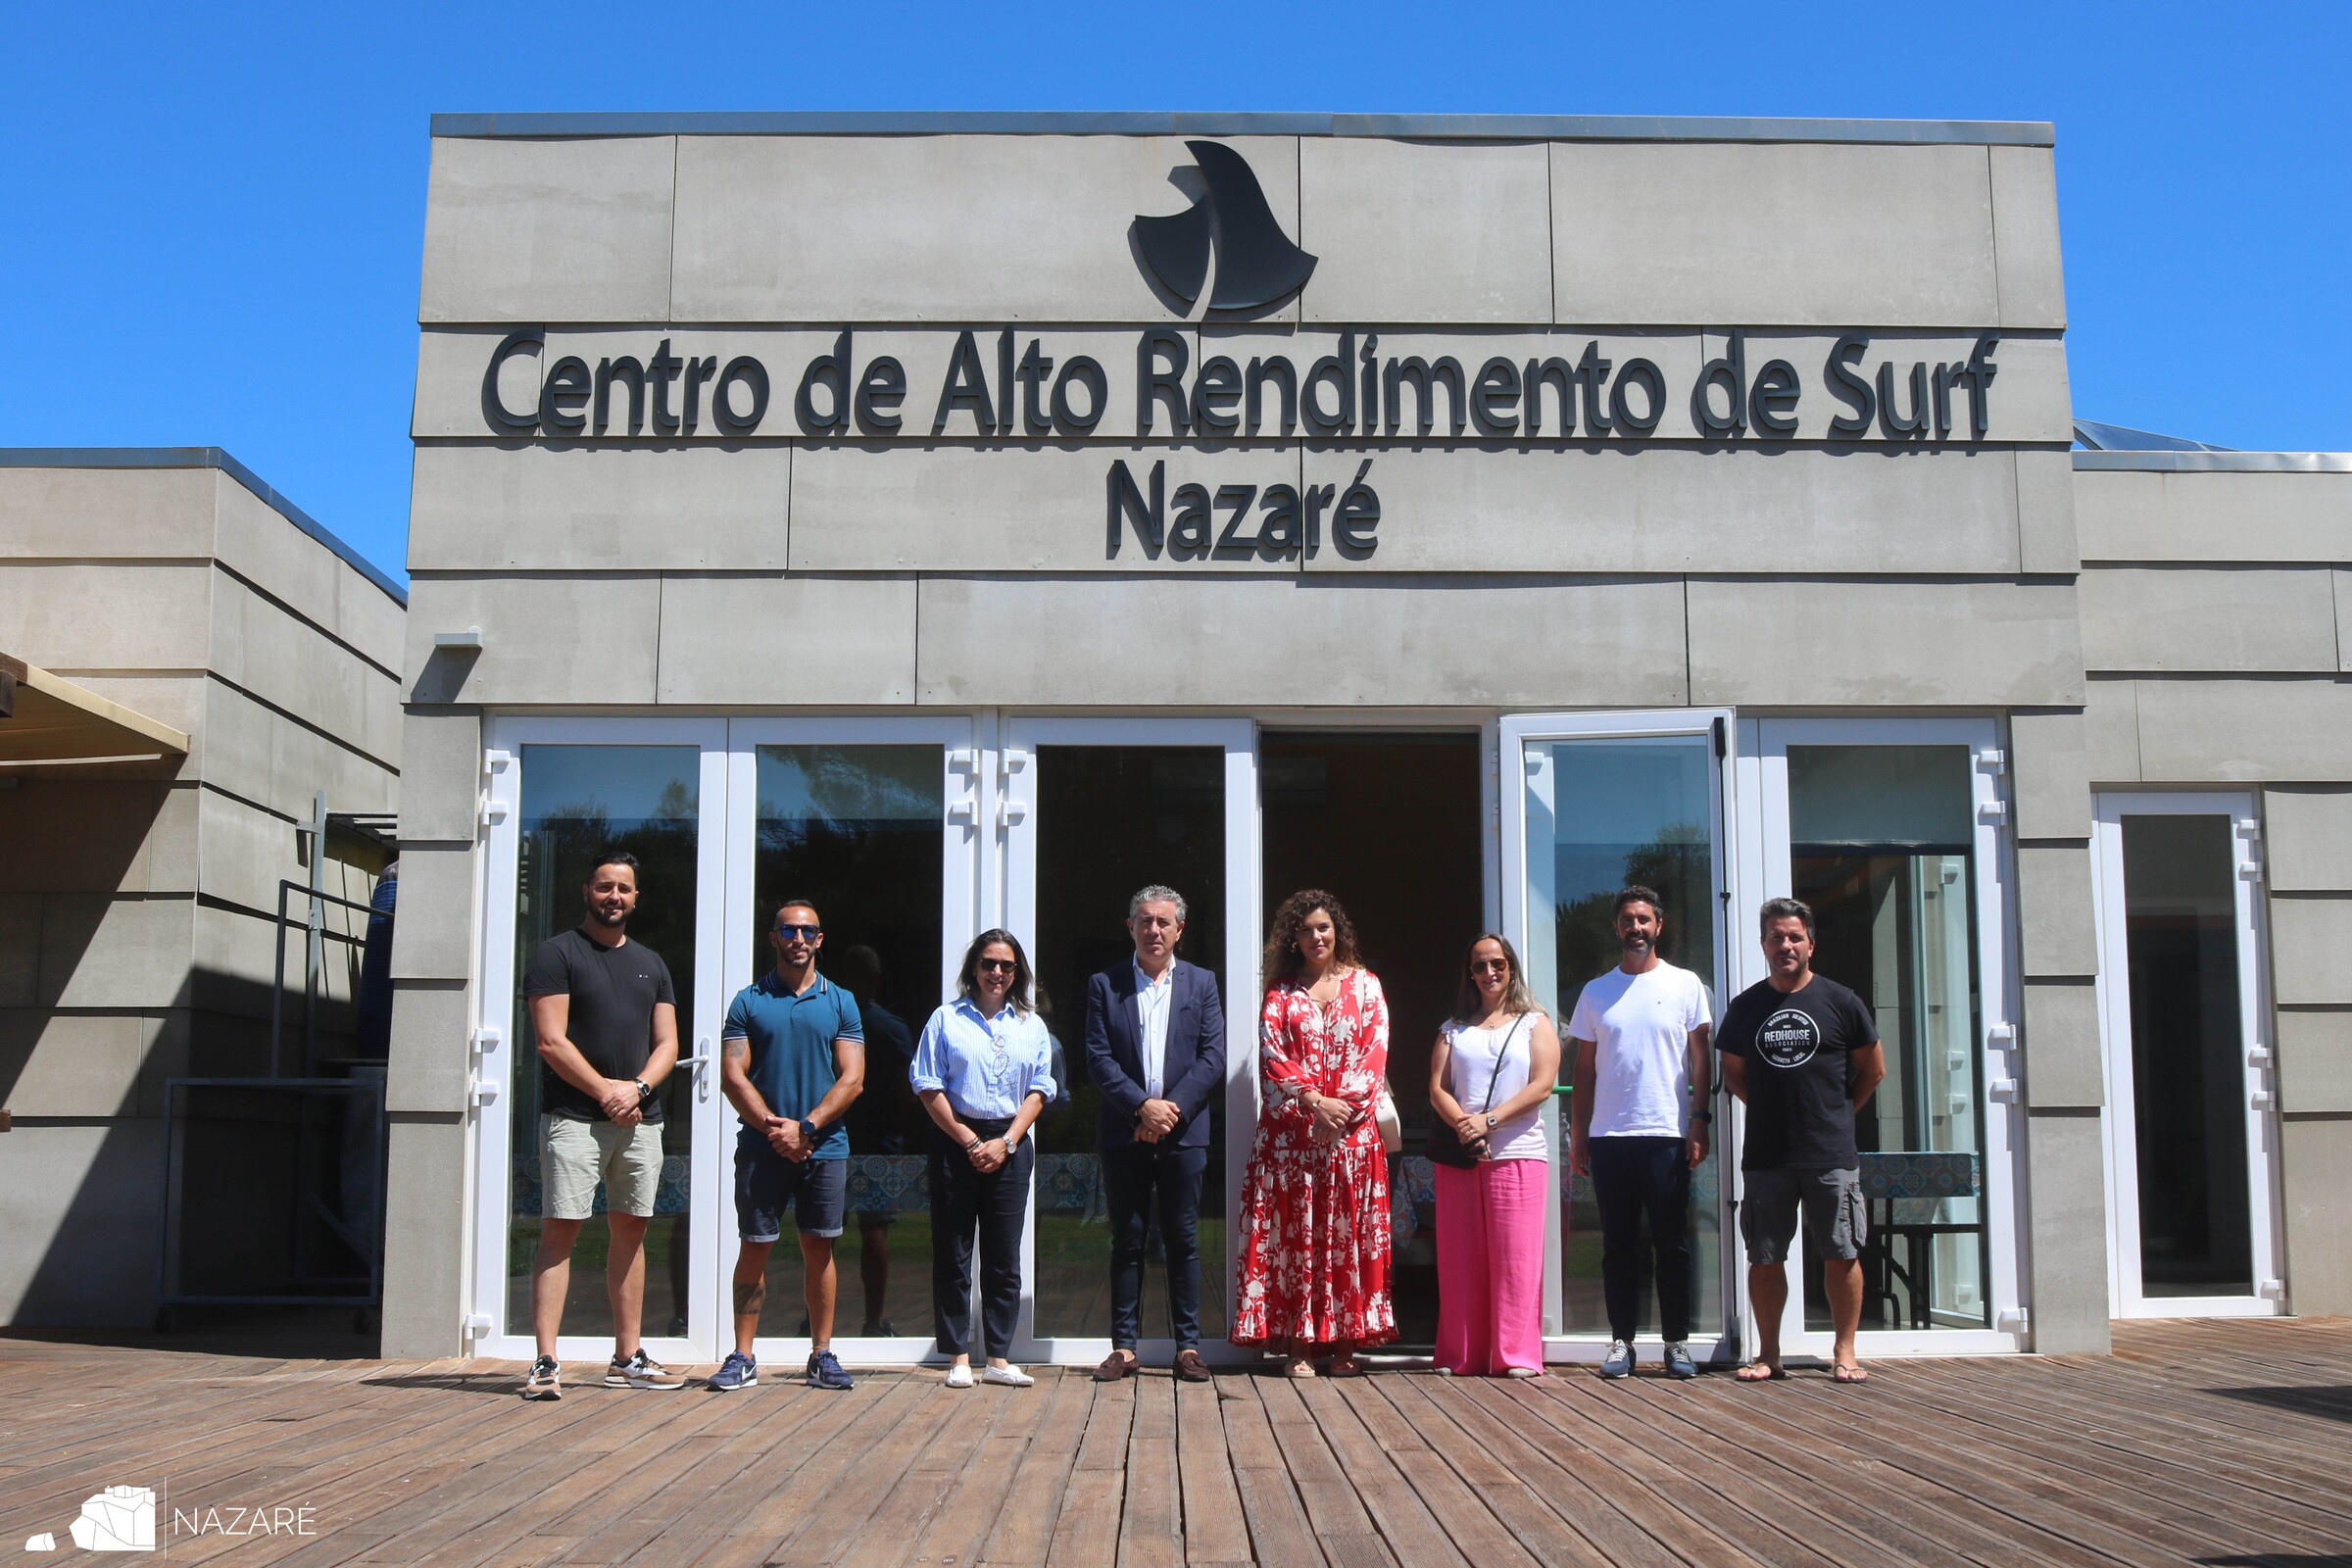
[1619,1362]
[738,1371]
[1679,1363]
[825,1371]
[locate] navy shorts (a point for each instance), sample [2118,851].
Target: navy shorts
[766,1184]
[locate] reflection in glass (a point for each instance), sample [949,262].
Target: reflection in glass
[1112,820]
[1882,848]
[856,831]
[579,802]
[1604,814]
[2187,1056]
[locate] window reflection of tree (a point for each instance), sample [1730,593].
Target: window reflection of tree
[1679,864]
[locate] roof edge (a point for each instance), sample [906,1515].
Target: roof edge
[1137,122]
[2214,461]
[204,458]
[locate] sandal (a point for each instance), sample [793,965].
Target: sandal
[1848,1374]
[1347,1366]
[1298,1366]
[1760,1371]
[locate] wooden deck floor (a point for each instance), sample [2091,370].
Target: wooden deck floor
[2219,1444]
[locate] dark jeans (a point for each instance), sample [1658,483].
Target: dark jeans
[994,1203]
[1632,1177]
[1132,1178]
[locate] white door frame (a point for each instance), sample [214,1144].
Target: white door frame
[1019,826]
[1514,732]
[494,1052]
[2126,1298]
[964,835]
[1768,741]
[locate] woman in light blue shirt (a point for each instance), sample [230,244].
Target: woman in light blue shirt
[983,1069]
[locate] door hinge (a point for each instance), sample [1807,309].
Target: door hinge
[481,1091]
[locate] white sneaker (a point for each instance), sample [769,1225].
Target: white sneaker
[960,1377]
[1522,1371]
[1010,1377]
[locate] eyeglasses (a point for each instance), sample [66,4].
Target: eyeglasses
[806,933]
[1482,966]
[998,965]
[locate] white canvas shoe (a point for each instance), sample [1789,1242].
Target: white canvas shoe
[1010,1377]
[960,1377]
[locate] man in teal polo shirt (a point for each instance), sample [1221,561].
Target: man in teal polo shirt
[792,1058]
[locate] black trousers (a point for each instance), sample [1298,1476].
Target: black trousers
[1134,1179]
[1634,1177]
[994,1204]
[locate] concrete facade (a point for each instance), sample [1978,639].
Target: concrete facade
[963,560]
[137,901]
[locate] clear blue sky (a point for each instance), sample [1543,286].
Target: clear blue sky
[214,212]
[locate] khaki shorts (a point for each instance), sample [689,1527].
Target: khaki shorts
[574,1154]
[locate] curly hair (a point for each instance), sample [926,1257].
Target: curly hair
[1281,959]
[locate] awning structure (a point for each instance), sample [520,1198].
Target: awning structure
[49,723]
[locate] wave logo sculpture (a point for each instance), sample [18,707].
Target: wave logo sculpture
[1256,263]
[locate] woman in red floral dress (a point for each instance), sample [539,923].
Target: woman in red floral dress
[1315,1240]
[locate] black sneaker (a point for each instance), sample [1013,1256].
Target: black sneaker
[825,1371]
[546,1380]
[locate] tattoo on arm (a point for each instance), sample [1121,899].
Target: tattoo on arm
[751,1297]
[736,1050]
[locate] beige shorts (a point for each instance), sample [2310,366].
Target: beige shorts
[574,1154]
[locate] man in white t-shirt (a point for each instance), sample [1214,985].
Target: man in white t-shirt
[1640,1124]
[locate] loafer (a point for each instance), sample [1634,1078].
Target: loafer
[1619,1362]
[1190,1367]
[1679,1363]
[1116,1365]
[960,1377]
[1009,1377]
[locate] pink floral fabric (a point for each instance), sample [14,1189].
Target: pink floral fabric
[1315,1238]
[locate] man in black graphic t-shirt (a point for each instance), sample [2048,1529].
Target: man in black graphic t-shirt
[1803,1053]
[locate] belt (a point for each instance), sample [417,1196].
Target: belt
[985,1126]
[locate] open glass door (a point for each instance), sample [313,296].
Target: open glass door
[1593,802]
[877,822]
[1093,810]
[562,792]
[2192,1132]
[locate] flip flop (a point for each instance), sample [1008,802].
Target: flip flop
[1760,1371]
[1300,1368]
[1848,1374]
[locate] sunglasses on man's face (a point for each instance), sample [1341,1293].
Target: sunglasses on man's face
[806,933]
[998,967]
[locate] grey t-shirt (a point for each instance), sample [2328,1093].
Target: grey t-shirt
[613,992]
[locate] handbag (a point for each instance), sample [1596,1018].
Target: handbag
[1391,1126]
[1446,1145]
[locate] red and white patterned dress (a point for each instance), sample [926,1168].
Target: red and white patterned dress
[1315,1239]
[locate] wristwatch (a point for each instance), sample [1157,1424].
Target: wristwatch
[807,1130]
[644,1091]
[1704,1113]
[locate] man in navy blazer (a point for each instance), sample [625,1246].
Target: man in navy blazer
[1155,1050]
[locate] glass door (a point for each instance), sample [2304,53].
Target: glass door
[2191,1131]
[1092,811]
[877,822]
[1892,829]
[562,794]
[1593,803]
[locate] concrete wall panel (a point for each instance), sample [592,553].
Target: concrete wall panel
[89,835]
[73,617]
[1761,643]
[434,937]
[2046,513]
[1305,642]
[589,640]
[425,1230]
[2171,619]
[548,230]
[2315,1154]
[2309,830]
[599,509]
[2025,237]
[2245,731]
[287,664]
[440,775]
[1425,231]
[107,514]
[2315,1063]
[259,545]
[2050,773]
[256,752]
[75,1064]
[803,641]
[919,228]
[432,1045]
[1772,234]
[80,1206]
[2214,516]
[2061,1057]
[20,949]
[2310,935]
[2067,1177]
[2055,930]
[106,952]
[1674,510]
[2111,730]
[452,362]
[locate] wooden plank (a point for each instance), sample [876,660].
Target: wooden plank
[1280,1532]
[1333,1509]
[1215,1528]
[1405,1488]
[1024,1529]
[1151,1518]
[1086,1534]
[985,1487]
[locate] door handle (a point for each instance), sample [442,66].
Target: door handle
[700,1061]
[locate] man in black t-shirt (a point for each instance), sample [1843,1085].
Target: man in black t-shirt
[605,1017]
[1803,1053]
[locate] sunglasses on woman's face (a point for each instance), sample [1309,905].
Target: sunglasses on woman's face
[1498,965]
[998,966]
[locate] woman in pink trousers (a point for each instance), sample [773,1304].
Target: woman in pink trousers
[1496,1063]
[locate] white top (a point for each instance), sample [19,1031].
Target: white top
[1473,1063]
[1642,1025]
[1152,997]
